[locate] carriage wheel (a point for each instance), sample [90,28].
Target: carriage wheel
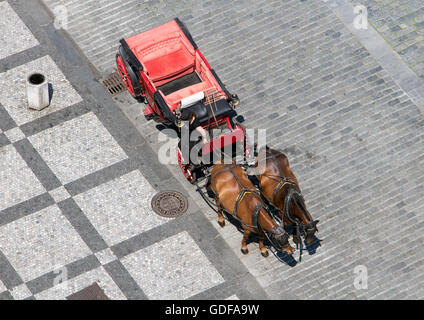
[189,175]
[132,76]
[124,74]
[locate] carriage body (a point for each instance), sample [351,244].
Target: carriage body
[164,68]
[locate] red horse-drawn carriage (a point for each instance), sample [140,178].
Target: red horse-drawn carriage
[164,67]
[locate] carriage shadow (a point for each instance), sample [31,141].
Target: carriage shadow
[240,119]
[169,130]
[162,127]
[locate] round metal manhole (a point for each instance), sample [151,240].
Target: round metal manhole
[169,204]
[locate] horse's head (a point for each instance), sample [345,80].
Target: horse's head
[296,212]
[309,229]
[281,239]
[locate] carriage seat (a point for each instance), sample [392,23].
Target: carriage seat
[220,108]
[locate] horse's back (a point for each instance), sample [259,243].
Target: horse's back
[225,176]
[277,165]
[226,186]
[282,161]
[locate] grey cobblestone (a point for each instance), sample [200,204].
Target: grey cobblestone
[401,24]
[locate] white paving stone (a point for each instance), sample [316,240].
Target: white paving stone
[2,287]
[120,209]
[17,182]
[39,243]
[233,297]
[20,292]
[77,147]
[14,134]
[174,268]
[13,89]
[105,256]
[59,194]
[99,275]
[14,34]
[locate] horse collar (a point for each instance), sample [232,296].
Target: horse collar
[282,183]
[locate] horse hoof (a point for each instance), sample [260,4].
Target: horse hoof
[245,251]
[265,254]
[221,224]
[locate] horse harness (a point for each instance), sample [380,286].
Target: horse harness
[293,192]
[240,197]
[292,188]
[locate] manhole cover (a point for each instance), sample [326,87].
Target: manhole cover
[169,204]
[93,292]
[113,84]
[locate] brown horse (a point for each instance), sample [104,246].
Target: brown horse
[235,193]
[280,187]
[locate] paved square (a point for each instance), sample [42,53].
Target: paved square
[105,256]
[120,209]
[2,287]
[77,148]
[99,275]
[17,182]
[14,34]
[41,242]
[401,24]
[20,292]
[14,134]
[174,268]
[329,97]
[59,194]
[13,89]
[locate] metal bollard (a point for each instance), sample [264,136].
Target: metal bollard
[37,91]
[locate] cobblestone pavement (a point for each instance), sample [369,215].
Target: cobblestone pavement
[352,134]
[401,23]
[76,181]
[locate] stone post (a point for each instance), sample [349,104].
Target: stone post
[37,91]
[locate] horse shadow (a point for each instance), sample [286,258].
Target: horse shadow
[313,246]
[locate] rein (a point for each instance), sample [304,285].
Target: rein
[208,101]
